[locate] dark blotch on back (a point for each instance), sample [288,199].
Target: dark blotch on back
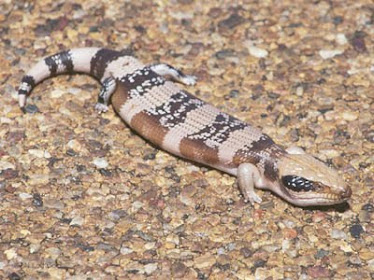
[101,60]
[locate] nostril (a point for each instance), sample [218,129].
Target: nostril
[346,193]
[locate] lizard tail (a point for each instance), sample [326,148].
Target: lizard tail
[65,62]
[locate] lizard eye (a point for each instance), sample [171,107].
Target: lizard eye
[297,183]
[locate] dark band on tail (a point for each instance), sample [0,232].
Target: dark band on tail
[60,62]
[27,84]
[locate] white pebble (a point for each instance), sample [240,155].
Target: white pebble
[77,221]
[57,93]
[10,253]
[6,165]
[326,54]
[126,250]
[24,196]
[257,52]
[341,39]
[37,153]
[299,91]
[350,116]
[74,90]
[149,268]
[100,162]
[338,234]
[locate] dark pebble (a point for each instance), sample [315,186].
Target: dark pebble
[326,108]
[14,276]
[246,252]
[105,247]
[201,276]
[15,136]
[369,135]
[321,253]
[141,29]
[356,230]
[368,207]
[178,269]
[150,156]
[117,214]
[144,236]
[37,200]
[71,152]
[358,41]
[273,95]
[231,22]
[105,172]
[31,109]
[9,174]
[258,263]
[337,20]
[225,53]
[232,94]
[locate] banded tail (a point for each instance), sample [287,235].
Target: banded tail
[91,61]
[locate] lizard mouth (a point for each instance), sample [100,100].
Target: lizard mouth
[312,198]
[303,192]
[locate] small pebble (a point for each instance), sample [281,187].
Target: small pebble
[338,234]
[178,269]
[125,250]
[77,221]
[341,39]
[150,268]
[326,54]
[257,52]
[100,163]
[6,165]
[25,196]
[31,109]
[10,253]
[350,116]
[356,230]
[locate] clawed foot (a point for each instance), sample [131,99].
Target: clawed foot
[188,80]
[101,108]
[252,198]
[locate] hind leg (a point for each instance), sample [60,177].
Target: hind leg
[107,89]
[164,69]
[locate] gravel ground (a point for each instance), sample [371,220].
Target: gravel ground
[83,197]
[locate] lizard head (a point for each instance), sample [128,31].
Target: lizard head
[306,181]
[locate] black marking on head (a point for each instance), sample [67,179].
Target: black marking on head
[297,183]
[100,61]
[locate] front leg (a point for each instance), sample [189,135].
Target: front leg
[164,69]
[108,88]
[248,176]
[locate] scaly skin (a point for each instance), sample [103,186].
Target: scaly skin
[180,123]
